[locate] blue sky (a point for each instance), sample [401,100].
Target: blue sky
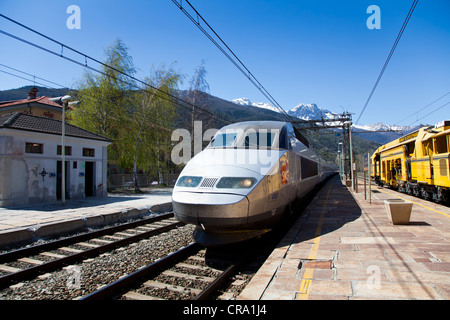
[301,51]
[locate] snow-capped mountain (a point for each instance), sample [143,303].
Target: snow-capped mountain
[382,133]
[247,102]
[378,132]
[382,127]
[301,111]
[310,112]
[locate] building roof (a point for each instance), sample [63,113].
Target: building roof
[42,100]
[27,122]
[32,99]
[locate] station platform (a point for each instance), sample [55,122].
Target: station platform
[26,223]
[344,248]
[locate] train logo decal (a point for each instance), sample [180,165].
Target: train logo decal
[284,172]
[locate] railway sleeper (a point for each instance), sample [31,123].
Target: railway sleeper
[132,295]
[31,261]
[187,276]
[171,287]
[198,268]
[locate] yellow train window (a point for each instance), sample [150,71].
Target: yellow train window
[440,144]
[427,148]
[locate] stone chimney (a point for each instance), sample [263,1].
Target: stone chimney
[32,94]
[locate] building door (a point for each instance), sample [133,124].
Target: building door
[89,179]
[59,179]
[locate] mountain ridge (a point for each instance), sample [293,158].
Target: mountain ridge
[215,112]
[378,132]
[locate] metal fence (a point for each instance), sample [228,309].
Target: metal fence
[124,180]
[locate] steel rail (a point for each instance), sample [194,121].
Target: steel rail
[124,283]
[76,257]
[9,256]
[218,282]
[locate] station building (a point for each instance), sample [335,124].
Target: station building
[31,164]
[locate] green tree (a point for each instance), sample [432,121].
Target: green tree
[104,98]
[148,126]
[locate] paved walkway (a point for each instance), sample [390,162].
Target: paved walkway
[342,247]
[23,223]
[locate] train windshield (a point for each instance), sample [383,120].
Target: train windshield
[223,140]
[250,138]
[259,139]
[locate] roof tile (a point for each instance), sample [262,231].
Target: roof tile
[27,122]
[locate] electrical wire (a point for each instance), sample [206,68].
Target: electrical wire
[411,10]
[238,64]
[423,108]
[31,75]
[167,96]
[23,78]
[431,112]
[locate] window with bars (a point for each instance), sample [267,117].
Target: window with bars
[67,148]
[31,147]
[88,152]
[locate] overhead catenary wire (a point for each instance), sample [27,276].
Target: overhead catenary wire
[180,102]
[439,108]
[421,109]
[31,75]
[402,29]
[26,79]
[166,96]
[236,61]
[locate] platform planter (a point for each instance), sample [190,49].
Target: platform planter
[398,211]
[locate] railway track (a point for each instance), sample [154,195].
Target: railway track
[192,272]
[183,274]
[30,262]
[140,261]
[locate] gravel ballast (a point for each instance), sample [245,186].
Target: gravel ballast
[78,280]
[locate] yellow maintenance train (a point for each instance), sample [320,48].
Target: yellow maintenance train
[417,163]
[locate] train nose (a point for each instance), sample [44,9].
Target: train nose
[210,210]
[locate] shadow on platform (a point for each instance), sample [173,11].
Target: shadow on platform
[332,207]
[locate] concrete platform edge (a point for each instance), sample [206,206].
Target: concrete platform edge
[30,233]
[259,283]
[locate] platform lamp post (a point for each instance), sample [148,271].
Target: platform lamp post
[341,166]
[64,101]
[352,165]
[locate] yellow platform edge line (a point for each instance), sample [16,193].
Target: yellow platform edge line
[305,285]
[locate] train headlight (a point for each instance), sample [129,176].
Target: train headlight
[236,183]
[189,181]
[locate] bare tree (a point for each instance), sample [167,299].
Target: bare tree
[198,87]
[147,124]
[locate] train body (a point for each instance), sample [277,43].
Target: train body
[239,186]
[417,164]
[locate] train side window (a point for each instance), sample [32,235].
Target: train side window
[411,147]
[283,138]
[309,168]
[291,138]
[292,142]
[427,148]
[440,144]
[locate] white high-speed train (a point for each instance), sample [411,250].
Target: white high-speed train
[239,186]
